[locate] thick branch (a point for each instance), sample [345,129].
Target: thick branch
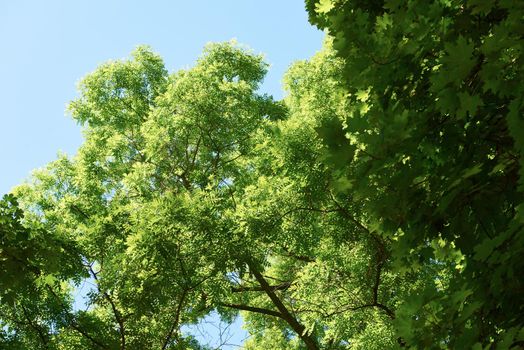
[281,286]
[381,257]
[252,309]
[377,283]
[310,342]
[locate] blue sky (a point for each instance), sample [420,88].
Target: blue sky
[47,46]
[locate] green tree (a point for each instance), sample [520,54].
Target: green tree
[376,207]
[433,141]
[33,262]
[192,193]
[149,198]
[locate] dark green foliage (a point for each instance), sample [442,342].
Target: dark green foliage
[440,132]
[33,263]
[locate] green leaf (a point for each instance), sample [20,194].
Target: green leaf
[474,170]
[324,6]
[468,105]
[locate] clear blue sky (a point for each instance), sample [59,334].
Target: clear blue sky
[47,46]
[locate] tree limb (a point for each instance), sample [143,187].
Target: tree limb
[252,309]
[310,342]
[176,321]
[281,286]
[118,316]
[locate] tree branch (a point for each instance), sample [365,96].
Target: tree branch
[176,321]
[43,337]
[281,286]
[381,257]
[383,307]
[73,323]
[252,309]
[310,342]
[290,254]
[116,312]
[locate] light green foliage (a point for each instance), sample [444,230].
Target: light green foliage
[193,193]
[149,198]
[376,207]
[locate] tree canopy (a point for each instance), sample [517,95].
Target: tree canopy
[436,124]
[377,206]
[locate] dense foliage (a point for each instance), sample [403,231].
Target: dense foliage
[377,206]
[435,143]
